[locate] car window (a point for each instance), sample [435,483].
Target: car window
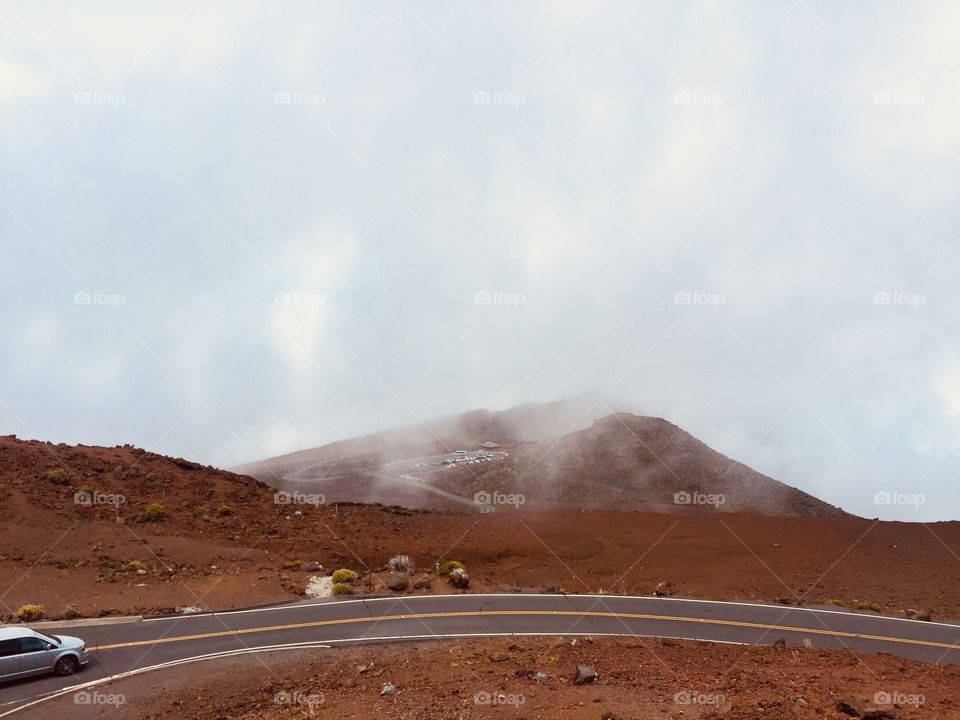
[9,647]
[33,644]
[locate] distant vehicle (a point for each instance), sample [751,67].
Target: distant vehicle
[25,652]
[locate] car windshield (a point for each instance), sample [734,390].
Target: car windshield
[49,638]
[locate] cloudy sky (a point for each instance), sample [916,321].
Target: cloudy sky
[231,230]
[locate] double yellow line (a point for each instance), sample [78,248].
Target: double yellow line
[528,613]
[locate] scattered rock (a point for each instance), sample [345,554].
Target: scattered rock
[585,674]
[311,566]
[388,689]
[808,643]
[914,614]
[780,643]
[851,706]
[497,657]
[423,583]
[880,714]
[541,677]
[397,582]
[664,589]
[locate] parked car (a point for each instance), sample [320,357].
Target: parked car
[25,652]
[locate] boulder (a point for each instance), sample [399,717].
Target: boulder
[397,582]
[851,706]
[585,674]
[914,614]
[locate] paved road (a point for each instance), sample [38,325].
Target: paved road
[121,648]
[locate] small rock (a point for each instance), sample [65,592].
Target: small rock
[497,657]
[541,677]
[311,566]
[780,642]
[585,674]
[141,571]
[851,706]
[880,714]
[915,614]
[663,589]
[388,689]
[807,643]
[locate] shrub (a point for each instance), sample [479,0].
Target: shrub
[342,589]
[58,476]
[201,512]
[225,510]
[401,563]
[132,566]
[155,512]
[344,576]
[70,612]
[836,601]
[293,564]
[29,613]
[868,605]
[449,566]
[458,578]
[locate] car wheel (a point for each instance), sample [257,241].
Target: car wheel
[66,665]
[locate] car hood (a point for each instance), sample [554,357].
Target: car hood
[68,642]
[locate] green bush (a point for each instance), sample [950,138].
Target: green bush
[344,576]
[201,512]
[342,589]
[868,605]
[836,601]
[58,476]
[30,613]
[449,566]
[293,564]
[225,510]
[132,566]
[155,512]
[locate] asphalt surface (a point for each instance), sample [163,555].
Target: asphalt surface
[118,649]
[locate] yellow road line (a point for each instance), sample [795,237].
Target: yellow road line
[490,613]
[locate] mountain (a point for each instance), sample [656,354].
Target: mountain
[553,457]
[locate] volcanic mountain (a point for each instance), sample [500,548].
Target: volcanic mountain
[550,454]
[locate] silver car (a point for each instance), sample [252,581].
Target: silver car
[25,652]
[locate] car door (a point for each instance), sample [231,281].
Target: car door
[36,656]
[9,659]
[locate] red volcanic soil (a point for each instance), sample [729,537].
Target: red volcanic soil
[638,679]
[224,542]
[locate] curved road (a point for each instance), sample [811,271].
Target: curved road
[121,648]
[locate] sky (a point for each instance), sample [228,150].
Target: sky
[232,230]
